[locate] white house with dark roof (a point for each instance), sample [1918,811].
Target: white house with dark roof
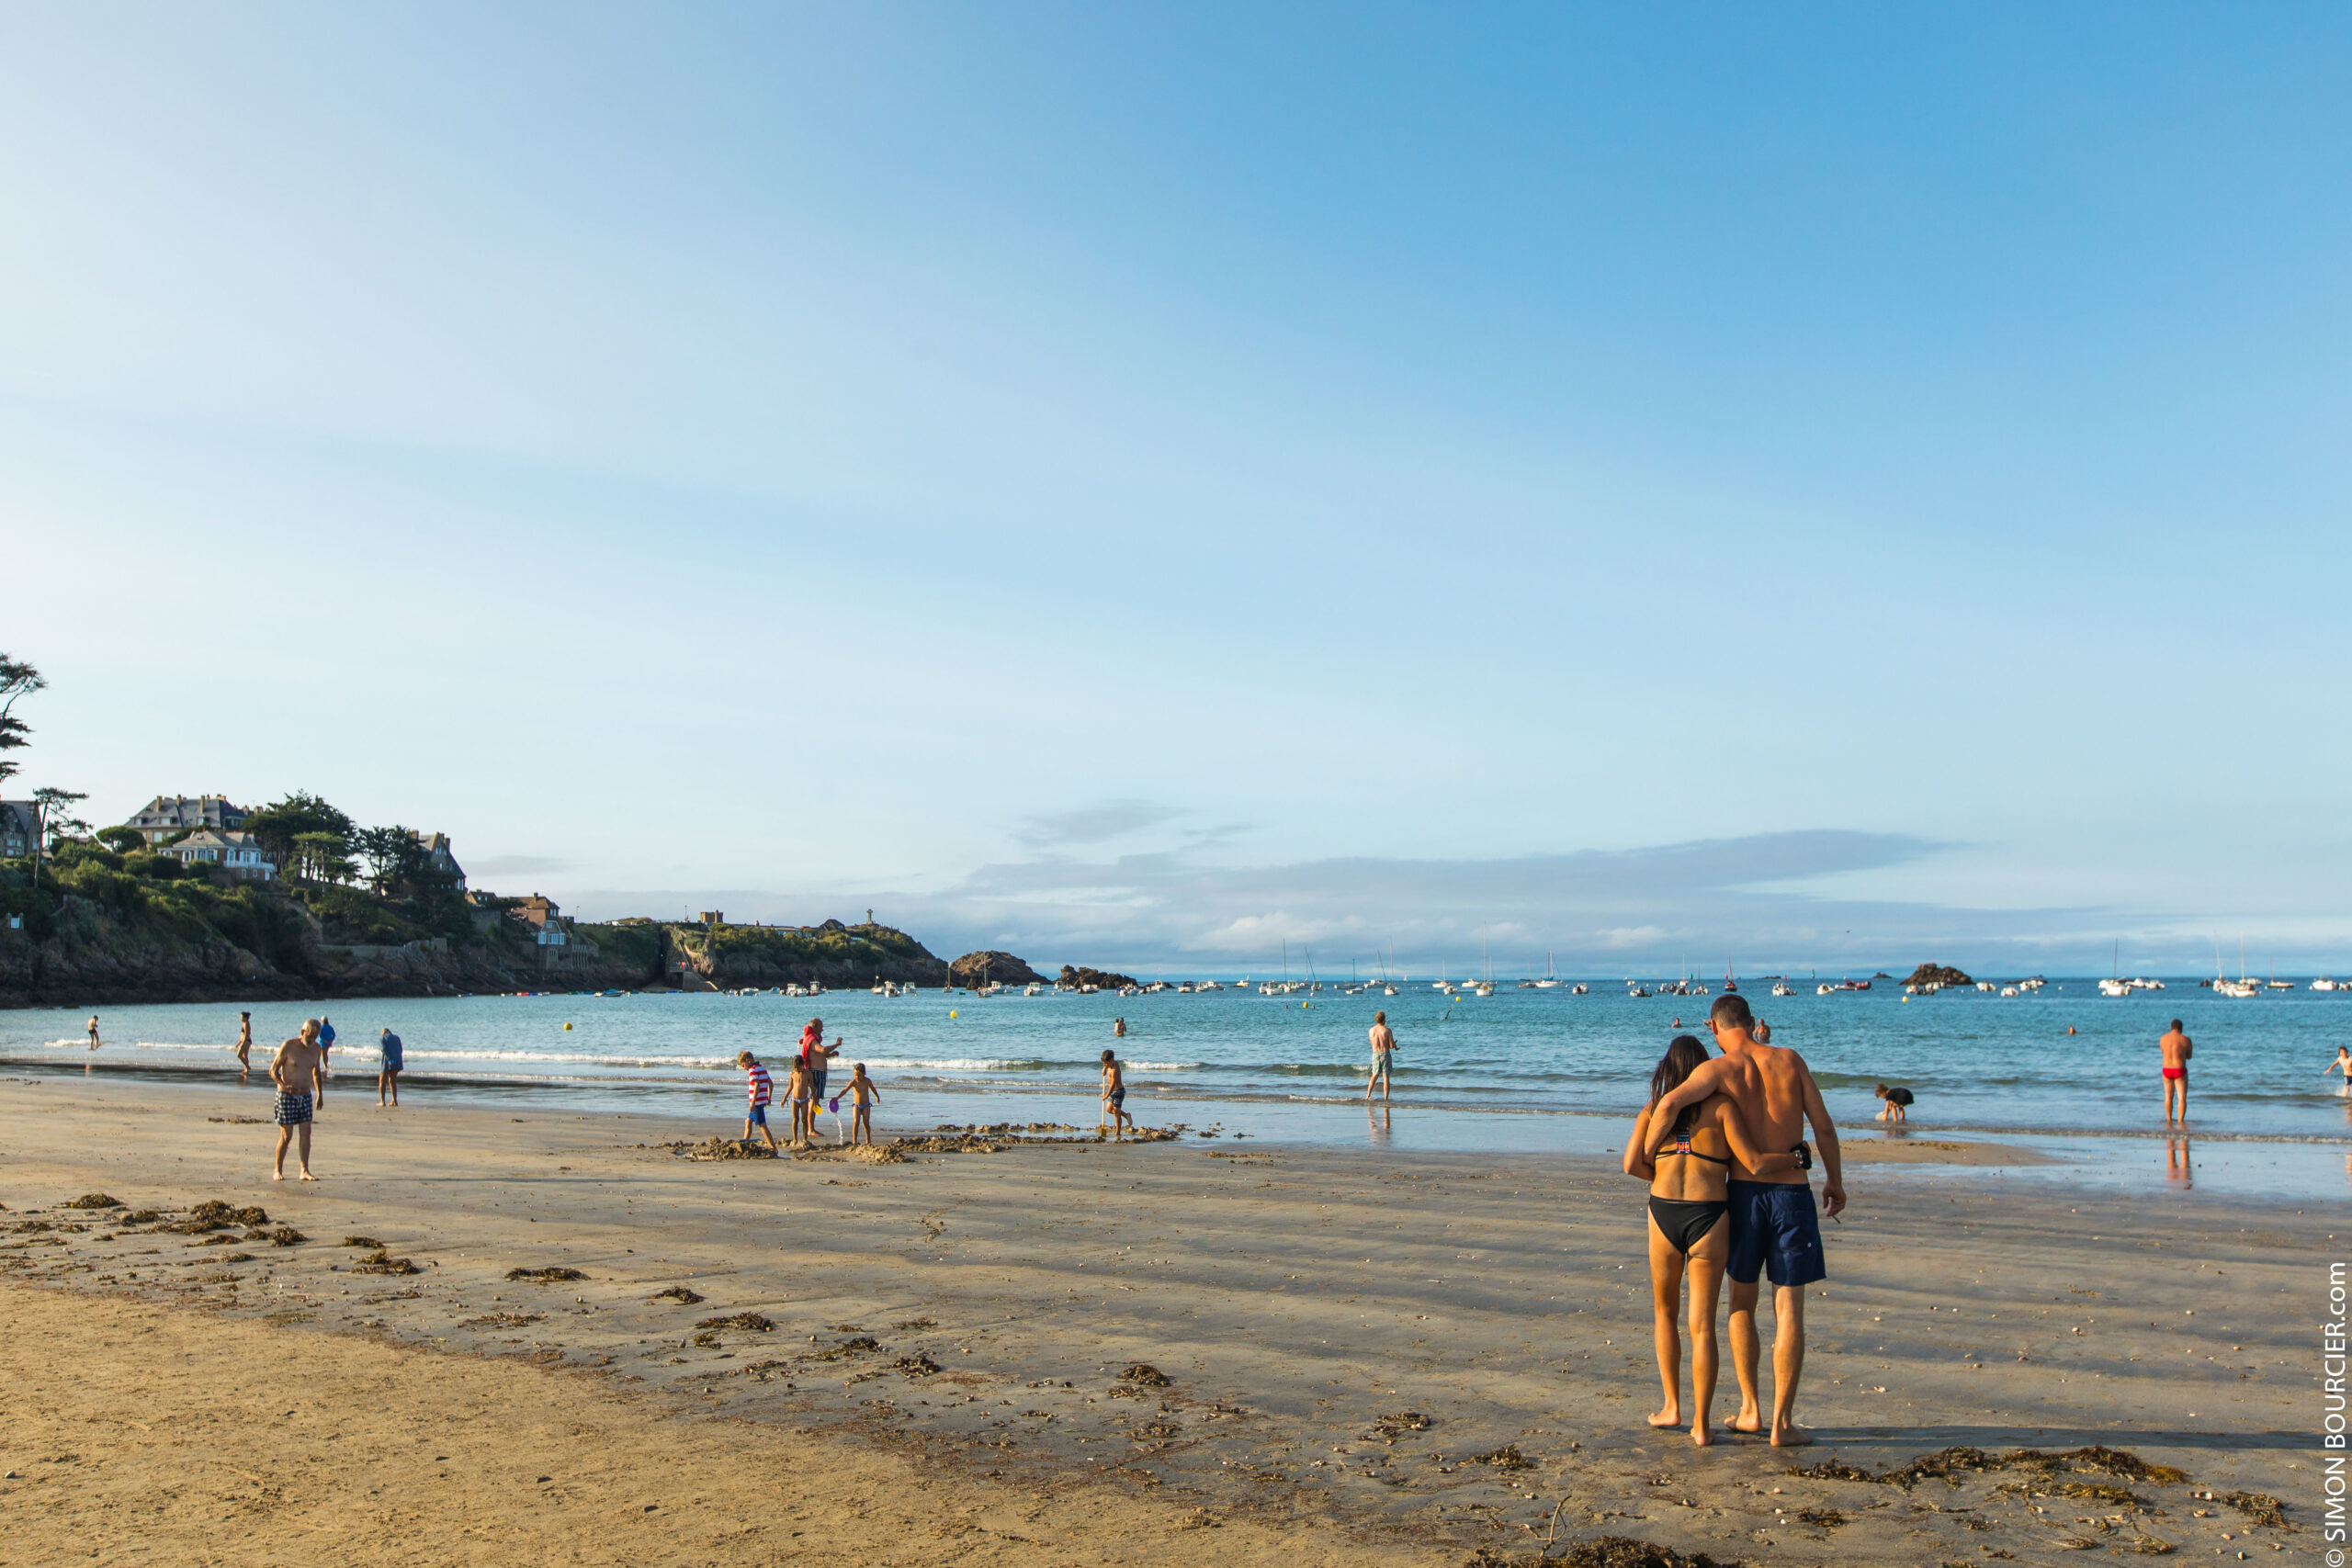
[240,853]
[167,815]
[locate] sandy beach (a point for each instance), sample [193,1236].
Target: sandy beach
[1063,1351]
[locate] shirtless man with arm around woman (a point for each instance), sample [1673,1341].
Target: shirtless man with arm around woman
[1689,1226]
[1773,1223]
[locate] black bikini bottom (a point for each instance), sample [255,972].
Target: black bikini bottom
[1684,1224]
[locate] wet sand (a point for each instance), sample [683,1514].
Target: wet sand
[1401,1358]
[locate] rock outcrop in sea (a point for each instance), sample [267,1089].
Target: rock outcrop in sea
[1938,974]
[1102,979]
[980,968]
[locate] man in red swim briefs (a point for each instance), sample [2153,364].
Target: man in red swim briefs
[2176,1050]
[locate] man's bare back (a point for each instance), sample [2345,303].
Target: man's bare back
[2177,1048]
[1776,1094]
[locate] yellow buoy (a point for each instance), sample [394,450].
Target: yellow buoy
[567,1026]
[950,1012]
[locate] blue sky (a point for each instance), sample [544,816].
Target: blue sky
[1817,487]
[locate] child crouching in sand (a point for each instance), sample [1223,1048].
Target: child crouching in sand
[863,1095]
[756,1114]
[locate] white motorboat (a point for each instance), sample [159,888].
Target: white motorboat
[2329,983]
[1578,990]
[2115,987]
[2009,991]
[1823,990]
[1782,988]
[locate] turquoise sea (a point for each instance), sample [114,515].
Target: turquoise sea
[1522,1069]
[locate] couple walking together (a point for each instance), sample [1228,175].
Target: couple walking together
[1721,1146]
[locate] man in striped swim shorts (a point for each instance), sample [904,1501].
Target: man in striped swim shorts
[296,1073]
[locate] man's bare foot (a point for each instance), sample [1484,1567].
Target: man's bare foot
[1700,1435]
[1669,1416]
[308,1177]
[277,1176]
[1749,1419]
[1789,1434]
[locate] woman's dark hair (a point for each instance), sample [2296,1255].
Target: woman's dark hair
[1684,1055]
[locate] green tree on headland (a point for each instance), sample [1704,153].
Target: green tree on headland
[17,679]
[283,827]
[52,809]
[54,820]
[394,855]
[323,857]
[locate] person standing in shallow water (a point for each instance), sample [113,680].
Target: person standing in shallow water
[244,1046]
[2176,1051]
[1384,1047]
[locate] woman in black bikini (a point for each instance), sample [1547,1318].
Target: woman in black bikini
[1689,1228]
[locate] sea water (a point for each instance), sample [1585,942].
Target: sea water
[2063,1062]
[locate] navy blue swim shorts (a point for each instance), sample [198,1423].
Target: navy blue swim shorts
[1775,1230]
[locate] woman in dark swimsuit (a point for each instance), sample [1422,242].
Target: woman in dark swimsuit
[1689,1228]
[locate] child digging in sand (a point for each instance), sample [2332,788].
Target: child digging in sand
[1898,1102]
[862,1094]
[756,1113]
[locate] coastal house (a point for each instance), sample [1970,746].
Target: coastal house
[538,912]
[19,828]
[437,854]
[237,852]
[168,816]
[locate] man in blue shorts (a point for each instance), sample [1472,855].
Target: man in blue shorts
[1774,1228]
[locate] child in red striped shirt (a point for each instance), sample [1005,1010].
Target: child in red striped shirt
[756,1114]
